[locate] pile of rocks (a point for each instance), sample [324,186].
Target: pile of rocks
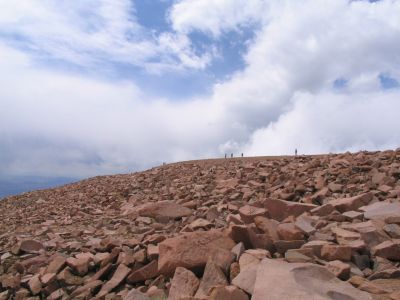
[312,227]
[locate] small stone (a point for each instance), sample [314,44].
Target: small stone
[299,255]
[238,250]
[79,265]
[147,272]
[393,230]
[289,232]
[200,224]
[56,264]
[228,293]
[340,269]
[118,277]
[35,285]
[387,249]
[335,252]
[31,246]
[248,213]
[353,203]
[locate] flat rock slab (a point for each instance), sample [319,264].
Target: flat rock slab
[281,209]
[301,281]
[191,250]
[381,210]
[352,203]
[164,209]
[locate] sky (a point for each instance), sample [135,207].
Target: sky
[111,86]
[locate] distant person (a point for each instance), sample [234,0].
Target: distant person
[231,155]
[295,152]
[225,155]
[242,154]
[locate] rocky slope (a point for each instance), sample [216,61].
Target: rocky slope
[312,227]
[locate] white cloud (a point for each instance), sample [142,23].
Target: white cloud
[60,124]
[328,122]
[90,32]
[216,16]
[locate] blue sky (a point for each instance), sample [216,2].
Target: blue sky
[100,87]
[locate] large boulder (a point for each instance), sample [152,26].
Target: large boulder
[281,209]
[191,250]
[281,280]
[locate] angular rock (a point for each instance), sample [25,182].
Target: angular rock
[246,278]
[393,230]
[248,213]
[212,277]
[281,209]
[80,266]
[91,287]
[299,255]
[289,232]
[268,226]
[119,275]
[353,203]
[335,252]
[228,293]
[281,280]
[382,210]
[190,250]
[134,294]
[183,284]
[35,285]
[339,269]
[147,272]
[164,209]
[387,249]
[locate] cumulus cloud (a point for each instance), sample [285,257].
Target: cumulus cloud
[327,122]
[312,80]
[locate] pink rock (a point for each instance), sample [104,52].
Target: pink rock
[382,210]
[147,272]
[268,226]
[190,250]
[339,269]
[91,287]
[289,232]
[35,285]
[246,278]
[79,266]
[31,246]
[212,277]
[335,252]
[248,213]
[184,283]
[228,293]
[56,264]
[166,209]
[316,246]
[322,210]
[280,209]
[301,281]
[387,249]
[353,203]
[118,277]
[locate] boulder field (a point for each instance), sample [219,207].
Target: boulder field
[304,227]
